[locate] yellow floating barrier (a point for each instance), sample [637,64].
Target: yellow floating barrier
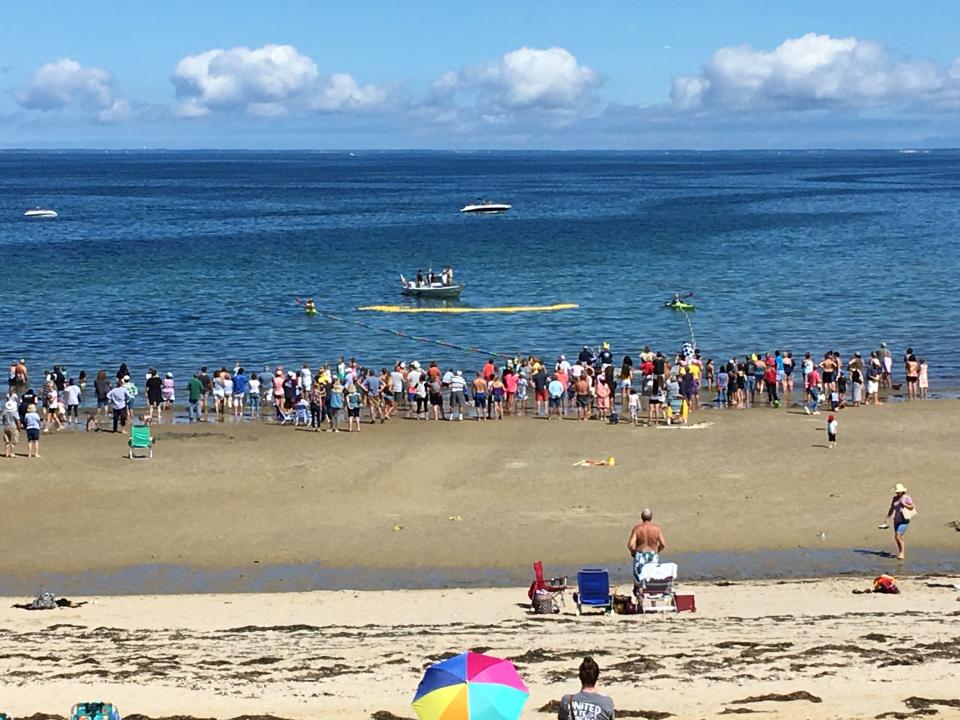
[458,310]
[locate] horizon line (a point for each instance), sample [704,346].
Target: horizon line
[905,149]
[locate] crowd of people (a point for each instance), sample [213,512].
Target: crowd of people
[651,388]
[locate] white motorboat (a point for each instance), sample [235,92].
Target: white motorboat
[485,208]
[431,286]
[40,213]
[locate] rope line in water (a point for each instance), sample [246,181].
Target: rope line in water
[416,338]
[686,316]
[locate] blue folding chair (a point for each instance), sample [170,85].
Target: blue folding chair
[593,590]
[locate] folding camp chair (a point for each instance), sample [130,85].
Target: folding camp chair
[302,414]
[655,589]
[94,711]
[140,439]
[552,587]
[593,590]
[283,416]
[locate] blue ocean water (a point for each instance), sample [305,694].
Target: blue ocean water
[188,258]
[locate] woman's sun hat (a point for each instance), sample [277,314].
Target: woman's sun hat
[899,488]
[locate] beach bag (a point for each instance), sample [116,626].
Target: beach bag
[44,601]
[543,603]
[624,605]
[613,419]
[908,514]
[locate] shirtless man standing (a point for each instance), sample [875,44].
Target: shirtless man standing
[582,389]
[646,543]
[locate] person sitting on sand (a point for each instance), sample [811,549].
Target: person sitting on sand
[587,704]
[646,543]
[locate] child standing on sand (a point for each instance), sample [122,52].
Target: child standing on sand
[634,407]
[353,408]
[832,432]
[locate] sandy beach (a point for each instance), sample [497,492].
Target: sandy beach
[409,500]
[254,494]
[813,649]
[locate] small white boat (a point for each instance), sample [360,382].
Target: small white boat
[40,213]
[485,208]
[429,290]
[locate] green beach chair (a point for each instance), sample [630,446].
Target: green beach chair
[140,439]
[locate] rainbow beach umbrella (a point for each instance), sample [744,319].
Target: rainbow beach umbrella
[470,686]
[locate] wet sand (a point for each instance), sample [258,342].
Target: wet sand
[239,497]
[791,650]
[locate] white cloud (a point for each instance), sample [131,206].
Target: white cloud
[549,78]
[812,71]
[66,83]
[342,92]
[527,78]
[268,81]
[527,87]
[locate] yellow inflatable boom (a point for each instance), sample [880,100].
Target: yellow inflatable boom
[458,310]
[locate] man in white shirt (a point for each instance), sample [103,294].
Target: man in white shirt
[458,386]
[118,398]
[71,398]
[413,379]
[396,384]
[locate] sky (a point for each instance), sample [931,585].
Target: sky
[685,74]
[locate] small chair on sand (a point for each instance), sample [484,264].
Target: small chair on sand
[593,590]
[140,439]
[301,414]
[94,711]
[553,588]
[655,589]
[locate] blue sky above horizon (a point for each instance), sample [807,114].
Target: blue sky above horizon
[617,75]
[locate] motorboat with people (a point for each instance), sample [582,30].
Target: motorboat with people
[39,212]
[485,207]
[432,285]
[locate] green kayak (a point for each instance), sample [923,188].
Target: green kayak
[685,306]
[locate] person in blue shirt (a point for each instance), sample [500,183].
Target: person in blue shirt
[555,389]
[723,379]
[32,423]
[241,384]
[335,404]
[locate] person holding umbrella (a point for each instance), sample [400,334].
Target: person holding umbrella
[902,511]
[587,703]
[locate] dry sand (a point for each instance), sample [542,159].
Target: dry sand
[238,495]
[349,654]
